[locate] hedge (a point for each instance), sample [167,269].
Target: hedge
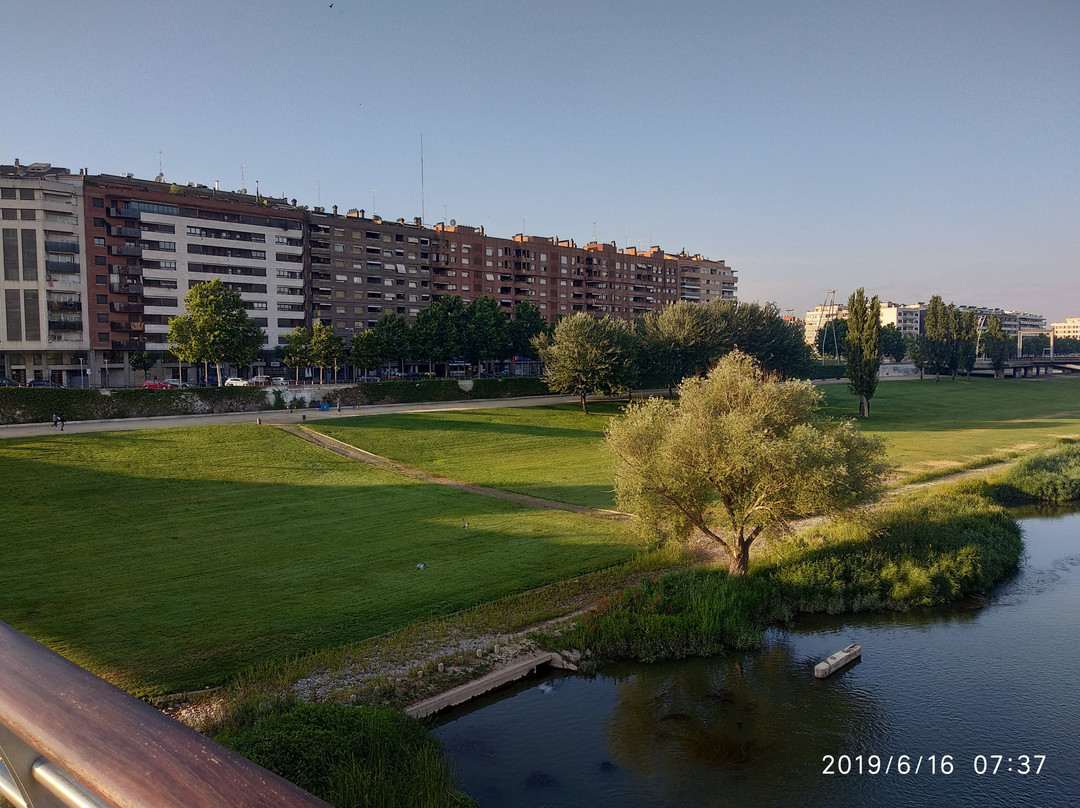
[37,405]
[509,386]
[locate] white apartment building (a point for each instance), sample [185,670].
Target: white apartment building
[1070,329]
[43,327]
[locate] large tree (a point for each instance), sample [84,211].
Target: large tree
[863,348]
[215,328]
[143,360]
[678,341]
[588,356]
[528,322]
[893,344]
[486,335]
[438,335]
[738,453]
[940,337]
[297,352]
[996,346]
[967,342]
[326,347]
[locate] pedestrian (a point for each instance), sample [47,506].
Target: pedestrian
[55,419]
[291,405]
[339,405]
[62,422]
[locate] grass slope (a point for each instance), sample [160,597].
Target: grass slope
[937,426]
[550,452]
[558,452]
[172,559]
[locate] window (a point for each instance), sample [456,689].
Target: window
[27,215]
[26,193]
[101,280]
[99,260]
[99,241]
[7,193]
[102,299]
[9,214]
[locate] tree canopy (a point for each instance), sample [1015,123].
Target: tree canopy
[863,348]
[893,344]
[738,453]
[588,356]
[215,328]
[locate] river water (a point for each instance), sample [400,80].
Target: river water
[962,691]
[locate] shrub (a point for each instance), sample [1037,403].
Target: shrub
[350,756]
[922,551]
[1052,476]
[36,405]
[509,386]
[398,392]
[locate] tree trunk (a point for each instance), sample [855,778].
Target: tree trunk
[220,381]
[740,560]
[864,407]
[584,408]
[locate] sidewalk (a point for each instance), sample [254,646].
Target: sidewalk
[275,416]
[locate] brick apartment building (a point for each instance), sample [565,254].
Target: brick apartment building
[95,266]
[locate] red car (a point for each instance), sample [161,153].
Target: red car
[155,384]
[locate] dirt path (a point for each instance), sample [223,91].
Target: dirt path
[363,456]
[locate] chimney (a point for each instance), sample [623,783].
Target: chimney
[335,210]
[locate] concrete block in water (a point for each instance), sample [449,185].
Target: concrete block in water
[837,661]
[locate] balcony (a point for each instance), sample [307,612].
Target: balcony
[65,325]
[125,231]
[133,345]
[125,327]
[62,246]
[69,267]
[131,308]
[126,288]
[125,249]
[124,213]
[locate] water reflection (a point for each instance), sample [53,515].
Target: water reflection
[994,676]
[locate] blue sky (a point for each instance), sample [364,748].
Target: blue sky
[914,148]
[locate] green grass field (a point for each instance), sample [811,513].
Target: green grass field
[931,426]
[558,452]
[550,452]
[173,559]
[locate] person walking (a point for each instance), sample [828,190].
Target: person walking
[58,420]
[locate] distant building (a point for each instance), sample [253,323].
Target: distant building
[43,323]
[1070,329]
[819,316]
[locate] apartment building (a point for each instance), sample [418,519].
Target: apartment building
[150,241]
[559,277]
[43,326]
[363,268]
[1070,329]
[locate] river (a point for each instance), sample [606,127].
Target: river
[976,704]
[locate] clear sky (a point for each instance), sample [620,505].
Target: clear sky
[914,148]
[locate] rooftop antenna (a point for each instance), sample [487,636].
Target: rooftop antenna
[523,221]
[159,168]
[594,230]
[318,192]
[372,201]
[242,167]
[421,178]
[444,213]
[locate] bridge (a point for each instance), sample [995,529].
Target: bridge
[1025,366]
[69,739]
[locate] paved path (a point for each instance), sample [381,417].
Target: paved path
[277,416]
[364,456]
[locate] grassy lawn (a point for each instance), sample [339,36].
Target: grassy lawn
[930,425]
[550,452]
[558,452]
[173,559]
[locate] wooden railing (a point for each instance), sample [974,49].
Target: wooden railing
[68,738]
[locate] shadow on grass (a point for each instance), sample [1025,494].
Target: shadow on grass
[169,584]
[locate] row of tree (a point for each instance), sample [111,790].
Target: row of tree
[588,355]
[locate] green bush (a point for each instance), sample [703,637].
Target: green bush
[509,386]
[1052,476]
[817,370]
[922,551]
[36,405]
[350,756]
[397,392]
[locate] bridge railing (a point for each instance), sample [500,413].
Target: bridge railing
[71,740]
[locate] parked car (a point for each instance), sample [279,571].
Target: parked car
[260,381]
[236,381]
[279,381]
[176,383]
[155,384]
[7,382]
[368,379]
[41,383]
